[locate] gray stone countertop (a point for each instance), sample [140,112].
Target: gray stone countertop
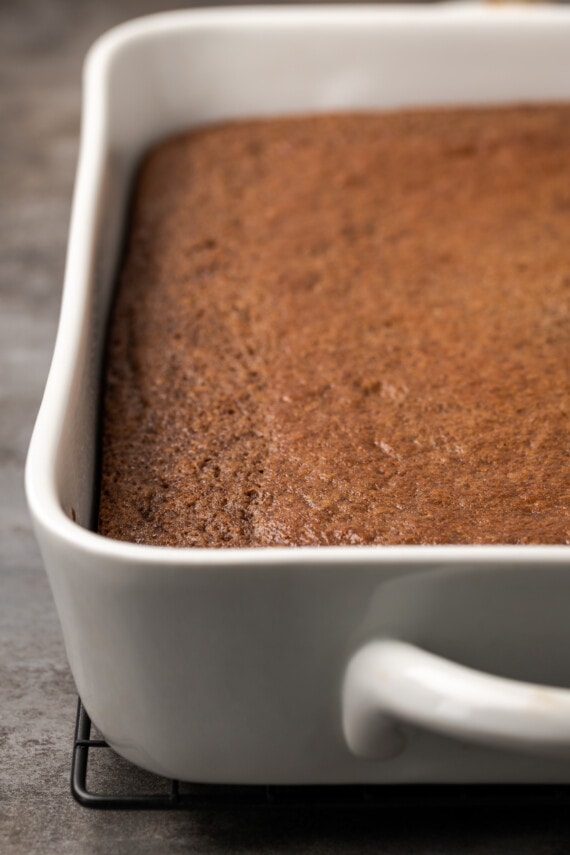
[42,43]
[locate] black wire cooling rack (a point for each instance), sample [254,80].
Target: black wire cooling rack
[174,795]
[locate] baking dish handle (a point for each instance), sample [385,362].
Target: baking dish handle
[388,682]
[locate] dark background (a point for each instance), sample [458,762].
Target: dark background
[42,43]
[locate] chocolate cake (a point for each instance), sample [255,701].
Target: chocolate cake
[345,329]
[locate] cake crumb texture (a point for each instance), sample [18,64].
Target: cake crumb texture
[345,329]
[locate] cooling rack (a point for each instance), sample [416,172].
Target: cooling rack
[176,795]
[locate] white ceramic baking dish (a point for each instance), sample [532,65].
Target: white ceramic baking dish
[383,664]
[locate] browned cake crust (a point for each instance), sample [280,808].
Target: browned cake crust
[345,330]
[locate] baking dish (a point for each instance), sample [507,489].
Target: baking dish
[328,665]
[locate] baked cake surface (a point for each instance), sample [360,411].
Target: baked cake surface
[345,329]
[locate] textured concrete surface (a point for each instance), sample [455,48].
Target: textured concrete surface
[41,46]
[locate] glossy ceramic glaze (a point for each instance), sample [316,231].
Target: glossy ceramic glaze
[302,665]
